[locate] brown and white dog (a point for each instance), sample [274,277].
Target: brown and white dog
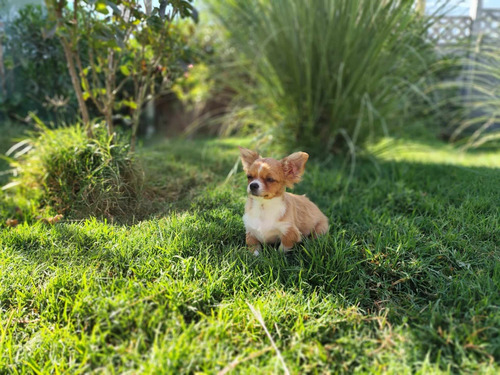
[272,214]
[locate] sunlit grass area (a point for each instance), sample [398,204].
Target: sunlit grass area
[123,252]
[406,281]
[435,152]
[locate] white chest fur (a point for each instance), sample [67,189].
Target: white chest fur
[262,218]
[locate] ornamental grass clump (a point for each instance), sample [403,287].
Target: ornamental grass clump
[474,99]
[66,172]
[327,74]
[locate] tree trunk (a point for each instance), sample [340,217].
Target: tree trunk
[76,86]
[2,66]
[108,115]
[55,8]
[139,101]
[135,125]
[149,7]
[110,88]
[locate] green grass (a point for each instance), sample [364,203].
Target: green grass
[406,281]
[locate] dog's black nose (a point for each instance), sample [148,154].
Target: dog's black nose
[254,186]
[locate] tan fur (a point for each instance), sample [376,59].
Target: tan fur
[271,213]
[251,240]
[268,168]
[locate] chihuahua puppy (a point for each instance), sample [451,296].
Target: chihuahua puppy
[272,214]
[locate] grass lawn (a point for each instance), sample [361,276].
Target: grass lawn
[406,281]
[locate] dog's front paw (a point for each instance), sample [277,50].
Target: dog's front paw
[255,249]
[284,248]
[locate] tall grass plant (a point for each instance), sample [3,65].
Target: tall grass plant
[66,172]
[328,73]
[474,99]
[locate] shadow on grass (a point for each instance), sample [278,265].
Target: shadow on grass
[175,172]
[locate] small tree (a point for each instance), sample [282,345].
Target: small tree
[3,90]
[123,44]
[67,32]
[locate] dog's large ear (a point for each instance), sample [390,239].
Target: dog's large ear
[293,167]
[247,157]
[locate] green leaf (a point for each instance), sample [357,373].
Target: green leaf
[129,103]
[125,70]
[84,85]
[101,8]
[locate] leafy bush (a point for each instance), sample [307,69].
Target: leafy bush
[329,72]
[36,73]
[64,170]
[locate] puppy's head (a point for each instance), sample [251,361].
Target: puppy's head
[267,177]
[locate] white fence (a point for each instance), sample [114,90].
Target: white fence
[488,24]
[451,30]
[483,25]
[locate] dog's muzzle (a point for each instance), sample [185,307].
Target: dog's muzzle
[254,188]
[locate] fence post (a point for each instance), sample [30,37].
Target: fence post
[421,6]
[476,9]
[476,6]
[475,12]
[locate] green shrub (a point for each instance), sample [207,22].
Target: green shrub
[329,73]
[36,72]
[65,171]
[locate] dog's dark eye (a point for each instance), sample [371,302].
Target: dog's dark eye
[249,177]
[269,179]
